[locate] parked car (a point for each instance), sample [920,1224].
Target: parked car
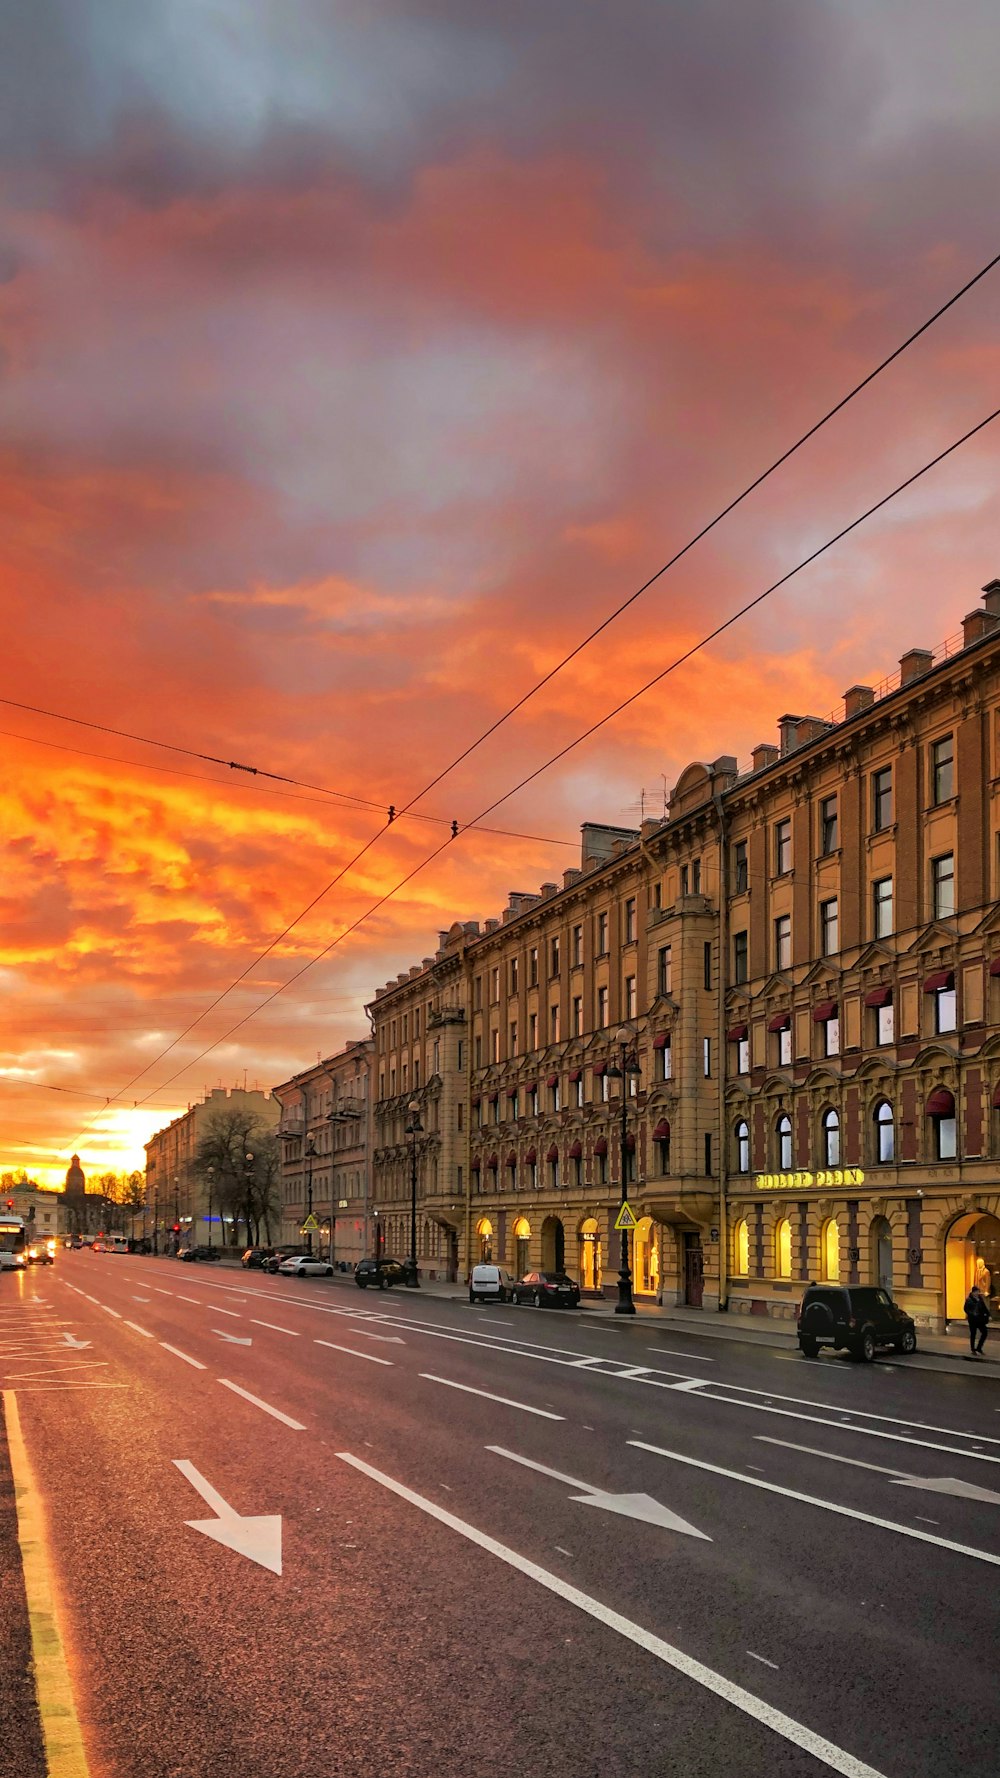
[277,1254]
[194,1253]
[256,1258]
[860,1320]
[546,1290]
[490,1284]
[382,1272]
[305,1265]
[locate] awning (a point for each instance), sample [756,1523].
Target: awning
[878,997]
[531,1086]
[477,1165]
[942,978]
[995,966]
[737,1033]
[941,1103]
[601,1145]
[630,1143]
[662,1131]
[576,1152]
[512,1092]
[827,1009]
[531,1157]
[576,1075]
[492,1163]
[553,1153]
[494,1098]
[477,1101]
[780,1022]
[553,1080]
[662,1041]
[599,1069]
[511,1160]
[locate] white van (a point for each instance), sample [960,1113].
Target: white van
[490,1284]
[115,1244]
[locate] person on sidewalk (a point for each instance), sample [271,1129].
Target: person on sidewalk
[977,1314]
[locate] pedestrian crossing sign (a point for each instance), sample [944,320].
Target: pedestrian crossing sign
[309,1225]
[626,1218]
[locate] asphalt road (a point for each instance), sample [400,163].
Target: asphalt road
[509,1539]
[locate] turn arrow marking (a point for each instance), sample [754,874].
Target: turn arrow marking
[947,1485]
[257,1537]
[78,1345]
[232,1339]
[629,1506]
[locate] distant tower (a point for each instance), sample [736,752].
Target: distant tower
[75,1181]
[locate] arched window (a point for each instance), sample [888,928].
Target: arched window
[885,1132]
[829,1250]
[831,1139]
[783,1248]
[741,1248]
[941,1111]
[741,1135]
[784,1130]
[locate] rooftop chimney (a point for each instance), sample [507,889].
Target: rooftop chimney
[788,730]
[549,889]
[991,597]
[977,624]
[914,663]
[764,755]
[858,697]
[570,877]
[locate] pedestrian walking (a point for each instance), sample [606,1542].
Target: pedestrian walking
[977,1314]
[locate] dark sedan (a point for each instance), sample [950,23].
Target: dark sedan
[196,1253]
[382,1273]
[546,1290]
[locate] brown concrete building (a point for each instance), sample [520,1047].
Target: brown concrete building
[174,1192]
[325,1129]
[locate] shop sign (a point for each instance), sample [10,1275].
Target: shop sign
[799,1182]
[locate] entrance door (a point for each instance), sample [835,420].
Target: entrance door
[694,1271]
[882,1255]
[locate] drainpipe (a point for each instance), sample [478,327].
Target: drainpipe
[723,1049]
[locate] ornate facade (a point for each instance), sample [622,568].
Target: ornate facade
[325,1131]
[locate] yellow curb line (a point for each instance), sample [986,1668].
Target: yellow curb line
[65,1753]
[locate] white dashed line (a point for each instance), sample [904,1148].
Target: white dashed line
[144,1331]
[179,1354]
[504,1400]
[370,1356]
[276,1413]
[274,1327]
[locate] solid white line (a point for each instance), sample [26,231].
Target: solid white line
[695,1357]
[144,1331]
[504,1400]
[543,1469]
[896,1438]
[811,1451]
[763,1660]
[370,1356]
[179,1354]
[39,1388]
[562,1552]
[826,1751]
[273,1325]
[276,1413]
[848,1418]
[53,1370]
[830,1506]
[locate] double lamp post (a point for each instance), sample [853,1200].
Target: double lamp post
[627,1065]
[414,1128]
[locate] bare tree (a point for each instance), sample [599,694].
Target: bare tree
[240,1156]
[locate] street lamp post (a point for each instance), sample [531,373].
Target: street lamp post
[156,1216]
[629,1066]
[248,1175]
[177,1211]
[310,1153]
[414,1128]
[209,1174]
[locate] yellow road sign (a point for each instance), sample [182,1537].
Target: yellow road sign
[626,1218]
[309,1224]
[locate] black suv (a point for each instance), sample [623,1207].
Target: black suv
[381,1272]
[858,1320]
[195,1253]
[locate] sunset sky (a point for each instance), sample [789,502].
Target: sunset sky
[356,359]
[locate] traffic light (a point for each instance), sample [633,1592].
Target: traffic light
[10,1203]
[175,1228]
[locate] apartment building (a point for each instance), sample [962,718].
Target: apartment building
[178,1200]
[325,1132]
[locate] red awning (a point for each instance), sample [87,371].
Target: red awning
[531,1086]
[493,1098]
[662,1131]
[780,1022]
[512,1092]
[995,966]
[477,1165]
[827,1009]
[576,1152]
[878,997]
[553,1153]
[941,1103]
[662,1041]
[601,1145]
[553,1080]
[576,1075]
[476,1101]
[492,1163]
[599,1069]
[511,1159]
[737,1033]
[942,978]
[630,1143]
[531,1157]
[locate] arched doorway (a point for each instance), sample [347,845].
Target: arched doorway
[646,1257]
[972,1256]
[880,1238]
[484,1234]
[522,1239]
[829,1251]
[590,1255]
[553,1245]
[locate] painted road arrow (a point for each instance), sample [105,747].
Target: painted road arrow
[78,1345]
[232,1339]
[630,1506]
[257,1537]
[947,1485]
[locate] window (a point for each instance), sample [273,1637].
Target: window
[556,1100]
[831,1037]
[885,1132]
[743,1055]
[831,1139]
[741,875]
[630,921]
[494,1046]
[513,975]
[554,1022]
[741,1249]
[602,935]
[784,1134]
[828,839]
[783,942]
[943,769]
[578,1092]
[829,1250]
[533,967]
[708,1152]
[664,970]
[706,1057]
[577,1015]
[554,1175]
[882,908]
[783,1248]
[942,1114]
[664,1063]
[945,1011]
[943,885]
[684,879]
[882,799]
[532,1030]
[630,997]
[829,927]
[554,957]
[741,1135]
[707,966]
[512,1038]
[741,957]
[785,1047]
[782,847]
[532,1101]
[885,1023]
[696,877]
[602,1009]
[605,1089]
[577,946]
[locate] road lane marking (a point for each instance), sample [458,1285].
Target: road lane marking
[370,1356]
[265,1406]
[504,1400]
[256,1536]
[830,1755]
[233,1312]
[160,1292]
[187,1359]
[629,1506]
[144,1331]
[233,1339]
[65,1753]
[763,1660]
[562,1552]
[692,1357]
[386,1339]
[55,1370]
[830,1506]
[107,1311]
[925,1520]
[811,1451]
[896,1438]
[193,1299]
[273,1325]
